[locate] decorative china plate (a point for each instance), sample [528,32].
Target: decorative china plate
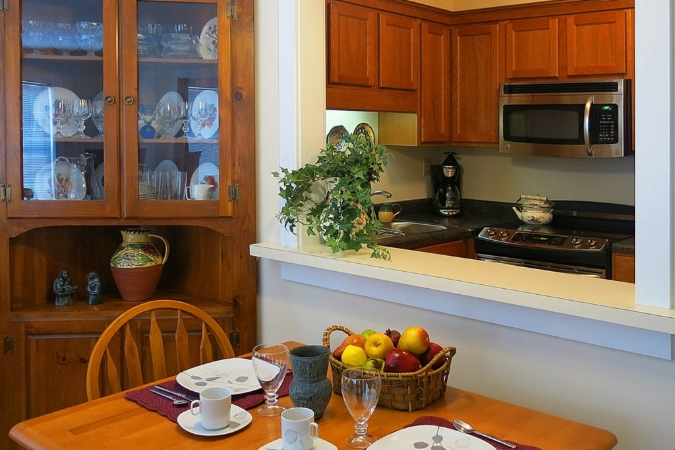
[166,166]
[367,131]
[204,170]
[319,444]
[236,374]
[44,100]
[429,437]
[239,418]
[211,124]
[45,182]
[336,136]
[208,40]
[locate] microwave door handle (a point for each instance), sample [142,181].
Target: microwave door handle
[587,120]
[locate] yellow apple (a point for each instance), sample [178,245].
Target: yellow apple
[377,345]
[354,356]
[415,340]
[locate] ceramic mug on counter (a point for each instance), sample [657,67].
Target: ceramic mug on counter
[199,192]
[388,211]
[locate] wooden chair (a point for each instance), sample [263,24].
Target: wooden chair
[124,347]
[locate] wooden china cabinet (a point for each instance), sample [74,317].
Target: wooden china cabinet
[170,90]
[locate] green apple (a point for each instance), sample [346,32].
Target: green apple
[366,333]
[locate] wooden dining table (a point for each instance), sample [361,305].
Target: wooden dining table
[116,422]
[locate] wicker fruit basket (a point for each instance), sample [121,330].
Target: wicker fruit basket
[407,391]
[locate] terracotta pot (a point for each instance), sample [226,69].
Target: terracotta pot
[137,284]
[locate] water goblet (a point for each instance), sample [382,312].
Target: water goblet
[183,111]
[270,363]
[61,110]
[81,112]
[361,391]
[64,39]
[34,40]
[97,114]
[168,112]
[200,112]
[90,43]
[147,114]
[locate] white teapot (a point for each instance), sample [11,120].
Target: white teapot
[534,209]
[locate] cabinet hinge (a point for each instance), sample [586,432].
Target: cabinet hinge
[231,10]
[5,193]
[4,5]
[235,340]
[8,344]
[233,193]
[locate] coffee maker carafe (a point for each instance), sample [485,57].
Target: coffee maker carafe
[446,184]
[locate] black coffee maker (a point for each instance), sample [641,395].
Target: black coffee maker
[446,184]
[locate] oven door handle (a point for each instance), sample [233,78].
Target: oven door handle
[587,122]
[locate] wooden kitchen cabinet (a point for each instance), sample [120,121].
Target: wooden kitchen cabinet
[475,84]
[462,248]
[65,197]
[623,267]
[435,91]
[399,53]
[532,48]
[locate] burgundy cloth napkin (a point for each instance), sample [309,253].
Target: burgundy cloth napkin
[439,421]
[165,407]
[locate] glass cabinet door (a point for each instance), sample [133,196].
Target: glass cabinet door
[57,134]
[174,112]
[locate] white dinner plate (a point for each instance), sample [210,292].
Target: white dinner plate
[209,129]
[239,418]
[44,100]
[45,181]
[319,444]
[166,166]
[200,174]
[236,374]
[429,436]
[208,40]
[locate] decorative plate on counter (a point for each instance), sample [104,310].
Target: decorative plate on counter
[336,136]
[367,131]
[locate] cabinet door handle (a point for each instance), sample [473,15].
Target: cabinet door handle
[128,100]
[110,100]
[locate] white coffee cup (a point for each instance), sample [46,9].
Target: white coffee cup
[198,191]
[298,429]
[213,407]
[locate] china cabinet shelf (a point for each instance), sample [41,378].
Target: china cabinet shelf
[180,61]
[55,57]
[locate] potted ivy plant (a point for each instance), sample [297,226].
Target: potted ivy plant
[332,197]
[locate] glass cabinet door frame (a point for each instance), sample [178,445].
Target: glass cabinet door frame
[17,206]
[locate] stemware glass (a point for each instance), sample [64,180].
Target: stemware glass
[200,112]
[97,115]
[61,110]
[361,391]
[183,111]
[270,363]
[90,43]
[81,112]
[147,114]
[168,112]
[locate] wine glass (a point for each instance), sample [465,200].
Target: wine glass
[90,43]
[147,114]
[200,113]
[61,110]
[168,111]
[97,114]
[81,112]
[183,111]
[270,362]
[360,391]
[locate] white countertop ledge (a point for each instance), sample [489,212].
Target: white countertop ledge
[602,312]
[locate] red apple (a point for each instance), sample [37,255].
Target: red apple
[415,340]
[398,360]
[428,355]
[394,336]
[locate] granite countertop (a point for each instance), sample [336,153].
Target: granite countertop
[624,246]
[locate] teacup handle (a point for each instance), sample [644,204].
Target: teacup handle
[393,208]
[187,192]
[313,430]
[194,404]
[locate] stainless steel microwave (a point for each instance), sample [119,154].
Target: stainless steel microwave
[584,119]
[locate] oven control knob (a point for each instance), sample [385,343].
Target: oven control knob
[503,234]
[592,243]
[576,242]
[490,232]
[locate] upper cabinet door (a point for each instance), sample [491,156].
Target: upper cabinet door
[435,100]
[399,52]
[597,43]
[532,48]
[61,63]
[352,45]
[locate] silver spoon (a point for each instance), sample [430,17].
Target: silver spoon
[176,402]
[468,429]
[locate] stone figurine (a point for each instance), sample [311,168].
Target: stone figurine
[63,289]
[94,289]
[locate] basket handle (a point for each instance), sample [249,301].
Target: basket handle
[329,330]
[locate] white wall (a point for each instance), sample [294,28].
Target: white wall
[628,394]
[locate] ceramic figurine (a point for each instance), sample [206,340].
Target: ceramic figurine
[63,289]
[94,289]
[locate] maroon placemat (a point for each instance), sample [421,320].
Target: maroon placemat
[440,421]
[164,406]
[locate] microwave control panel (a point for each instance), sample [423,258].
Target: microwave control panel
[606,124]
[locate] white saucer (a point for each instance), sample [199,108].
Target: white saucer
[319,444]
[239,418]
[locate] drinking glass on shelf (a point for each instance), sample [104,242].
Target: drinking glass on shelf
[201,112]
[65,42]
[61,111]
[81,112]
[183,111]
[270,363]
[147,114]
[168,112]
[90,42]
[97,115]
[361,391]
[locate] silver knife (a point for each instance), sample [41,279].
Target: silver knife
[178,394]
